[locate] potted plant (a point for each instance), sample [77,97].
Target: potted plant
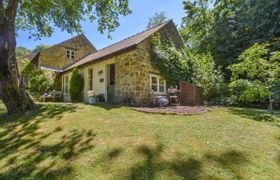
[92,97]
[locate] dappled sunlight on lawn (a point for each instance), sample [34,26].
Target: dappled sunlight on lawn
[256,114]
[58,141]
[23,152]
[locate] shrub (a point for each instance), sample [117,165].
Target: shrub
[246,92]
[76,86]
[37,81]
[255,76]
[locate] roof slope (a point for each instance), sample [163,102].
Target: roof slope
[69,40]
[111,50]
[31,56]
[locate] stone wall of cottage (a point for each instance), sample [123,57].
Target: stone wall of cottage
[133,71]
[55,57]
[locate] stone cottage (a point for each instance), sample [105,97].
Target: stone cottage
[54,59]
[122,72]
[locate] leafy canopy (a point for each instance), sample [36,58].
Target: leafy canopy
[40,47]
[256,77]
[157,19]
[207,76]
[225,28]
[41,16]
[22,51]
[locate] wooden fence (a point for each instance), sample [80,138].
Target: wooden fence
[190,95]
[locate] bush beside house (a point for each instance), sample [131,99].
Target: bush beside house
[36,80]
[76,86]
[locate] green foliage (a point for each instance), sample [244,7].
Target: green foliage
[173,63]
[157,19]
[275,89]
[22,51]
[42,16]
[227,28]
[197,24]
[246,92]
[255,78]
[178,65]
[76,85]
[40,47]
[207,76]
[38,81]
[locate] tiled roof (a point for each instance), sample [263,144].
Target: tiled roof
[121,46]
[29,57]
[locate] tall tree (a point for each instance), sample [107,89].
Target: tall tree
[225,28]
[157,19]
[40,18]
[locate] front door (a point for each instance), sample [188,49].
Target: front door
[111,82]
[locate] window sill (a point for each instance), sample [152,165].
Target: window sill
[159,93]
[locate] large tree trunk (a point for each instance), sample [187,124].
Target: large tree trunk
[12,92]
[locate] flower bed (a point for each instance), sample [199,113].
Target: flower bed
[183,110]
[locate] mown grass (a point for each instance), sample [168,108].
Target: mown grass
[77,141]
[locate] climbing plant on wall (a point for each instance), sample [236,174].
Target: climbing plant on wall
[172,62]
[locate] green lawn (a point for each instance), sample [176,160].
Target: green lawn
[77,141]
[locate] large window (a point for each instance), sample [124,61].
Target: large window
[70,54]
[65,82]
[90,77]
[158,84]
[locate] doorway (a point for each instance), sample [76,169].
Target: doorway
[111,82]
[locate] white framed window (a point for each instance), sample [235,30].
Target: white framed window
[157,84]
[70,54]
[90,79]
[65,81]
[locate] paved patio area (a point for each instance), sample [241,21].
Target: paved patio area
[183,110]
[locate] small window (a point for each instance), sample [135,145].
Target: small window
[158,84]
[161,85]
[90,75]
[154,84]
[70,54]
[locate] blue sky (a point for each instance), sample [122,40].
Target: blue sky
[129,25]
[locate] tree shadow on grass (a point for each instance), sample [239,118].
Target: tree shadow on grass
[43,111]
[108,106]
[256,114]
[23,153]
[191,168]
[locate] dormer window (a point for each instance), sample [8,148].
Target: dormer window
[70,54]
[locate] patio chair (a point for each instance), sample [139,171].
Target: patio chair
[52,95]
[173,96]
